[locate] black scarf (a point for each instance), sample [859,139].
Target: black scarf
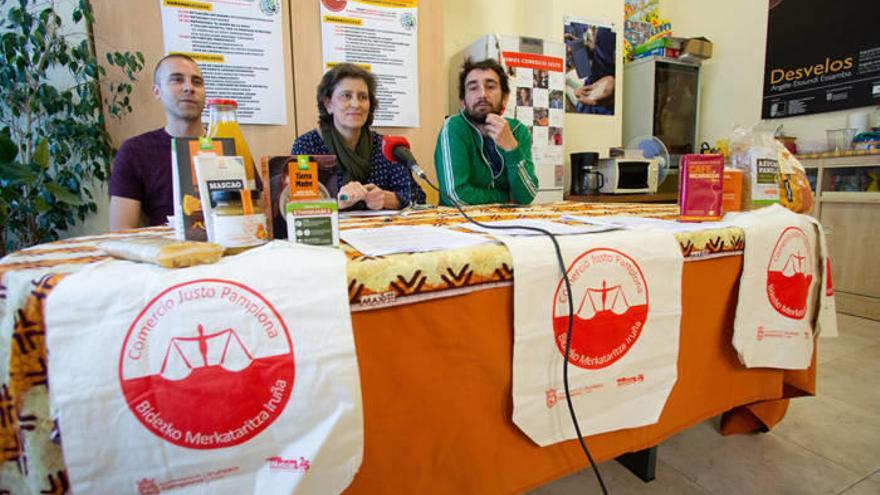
[355,163]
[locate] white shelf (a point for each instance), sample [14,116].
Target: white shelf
[850,220]
[849,197]
[856,161]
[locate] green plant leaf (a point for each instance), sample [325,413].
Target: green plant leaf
[64,122]
[16,172]
[41,205]
[41,156]
[62,194]
[8,149]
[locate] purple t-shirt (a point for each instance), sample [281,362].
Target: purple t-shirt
[142,171]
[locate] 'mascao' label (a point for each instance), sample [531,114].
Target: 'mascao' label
[204,385]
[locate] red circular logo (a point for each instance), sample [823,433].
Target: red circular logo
[334,5]
[790,273]
[829,288]
[610,298]
[207,364]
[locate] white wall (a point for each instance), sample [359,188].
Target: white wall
[464,21]
[467,20]
[732,82]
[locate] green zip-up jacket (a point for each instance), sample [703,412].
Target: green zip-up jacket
[465,173]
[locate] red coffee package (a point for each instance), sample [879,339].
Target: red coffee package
[700,187]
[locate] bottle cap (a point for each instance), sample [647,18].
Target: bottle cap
[222,101]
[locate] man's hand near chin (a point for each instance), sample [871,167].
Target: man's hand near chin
[498,129]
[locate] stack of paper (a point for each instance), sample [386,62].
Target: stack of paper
[554,228]
[644,223]
[368,213]
[408,239]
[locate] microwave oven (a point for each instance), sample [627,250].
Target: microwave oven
[628,175]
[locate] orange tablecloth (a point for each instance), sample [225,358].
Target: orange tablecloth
[436,385]
[435,366]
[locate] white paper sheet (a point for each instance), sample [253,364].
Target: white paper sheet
[555,228]
[643,223]
[369,213]
[408,239]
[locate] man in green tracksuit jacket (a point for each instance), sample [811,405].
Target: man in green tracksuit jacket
[482,157]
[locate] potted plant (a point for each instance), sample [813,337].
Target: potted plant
[53,142]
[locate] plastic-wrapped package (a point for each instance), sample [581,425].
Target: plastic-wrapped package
[754,152]
[794,187]
[169,253]
[739,159]
[770,172]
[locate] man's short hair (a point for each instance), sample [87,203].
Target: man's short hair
[331,79]
[166,57]
[486,64]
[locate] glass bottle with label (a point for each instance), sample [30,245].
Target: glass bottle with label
[224,123]
[239,220]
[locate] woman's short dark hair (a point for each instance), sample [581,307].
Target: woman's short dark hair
[331,79]
[487,64]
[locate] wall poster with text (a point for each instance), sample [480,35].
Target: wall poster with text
[825,61]
[238,48]
[382,37]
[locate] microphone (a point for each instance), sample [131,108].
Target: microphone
[396,149]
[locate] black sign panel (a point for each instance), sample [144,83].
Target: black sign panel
[822,56]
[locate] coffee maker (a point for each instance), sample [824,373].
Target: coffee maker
[585,179]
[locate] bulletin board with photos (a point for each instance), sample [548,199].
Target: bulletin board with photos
[537,82]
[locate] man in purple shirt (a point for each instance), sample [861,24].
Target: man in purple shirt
[141,181]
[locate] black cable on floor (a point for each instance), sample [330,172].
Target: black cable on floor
[417,171]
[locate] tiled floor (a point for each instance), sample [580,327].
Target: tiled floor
[828,444]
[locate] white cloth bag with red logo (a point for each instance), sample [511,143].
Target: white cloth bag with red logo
[777,289]
[826,320]
[238,377]
[626,289]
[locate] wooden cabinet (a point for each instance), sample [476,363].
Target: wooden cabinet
[848,205]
